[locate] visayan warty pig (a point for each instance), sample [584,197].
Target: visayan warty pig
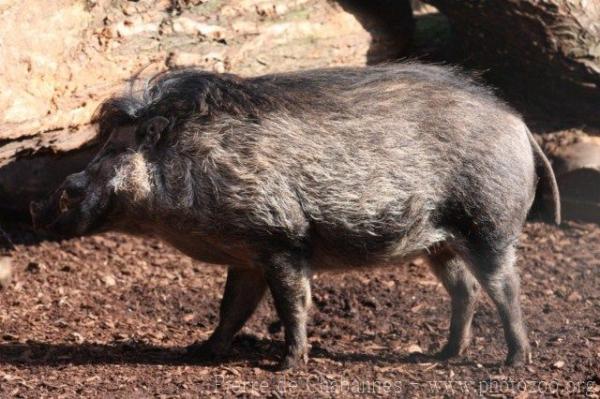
[283,175]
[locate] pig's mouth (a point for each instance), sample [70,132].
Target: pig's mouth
[66,215]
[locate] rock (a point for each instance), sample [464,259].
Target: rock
[68,56]
[414,348]
[574,297]
[109,280]
[577,168]
[5,271]
[583,154]
[559,364]
[78,338]
[189,317]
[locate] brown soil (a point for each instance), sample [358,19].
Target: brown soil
[109,316]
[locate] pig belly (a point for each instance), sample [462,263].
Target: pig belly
[328,259]
[333,254]
[207,251]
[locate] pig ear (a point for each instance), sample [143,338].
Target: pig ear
[154,129]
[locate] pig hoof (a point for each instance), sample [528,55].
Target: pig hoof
[417,357]
[288,363]
[519,358]
[206,350]
[447,352]
[292,361]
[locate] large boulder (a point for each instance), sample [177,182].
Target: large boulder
[577,168]
[60,60]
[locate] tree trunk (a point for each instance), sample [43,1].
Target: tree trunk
[390,23]
[61,58]
[550,46]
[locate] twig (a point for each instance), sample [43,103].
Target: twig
[6,241]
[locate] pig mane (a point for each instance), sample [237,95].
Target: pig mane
[187,94]
[194,95]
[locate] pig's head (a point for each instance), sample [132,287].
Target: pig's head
[99,197]
[135,131]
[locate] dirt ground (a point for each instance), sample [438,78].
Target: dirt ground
[109,316]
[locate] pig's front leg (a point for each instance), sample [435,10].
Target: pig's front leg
[287,274]
[243,291]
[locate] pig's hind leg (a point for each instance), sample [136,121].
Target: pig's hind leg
[495,271]
[244,290]
[453,272]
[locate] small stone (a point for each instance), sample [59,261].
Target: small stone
[5,271]
[574,297]
[414,348]
[109,280]
[78,338]
[189,317]
[559,364]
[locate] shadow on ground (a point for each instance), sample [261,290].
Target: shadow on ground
[261,353]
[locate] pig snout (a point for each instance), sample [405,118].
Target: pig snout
[66,198]
[70,196]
